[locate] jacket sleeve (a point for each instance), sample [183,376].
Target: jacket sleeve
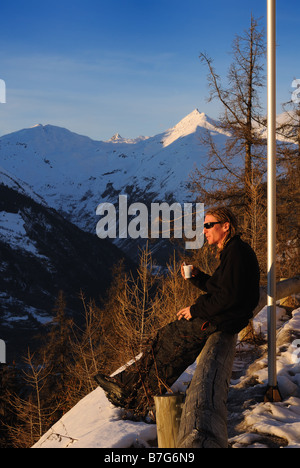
[200,280]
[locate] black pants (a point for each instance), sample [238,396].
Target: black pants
[175,347]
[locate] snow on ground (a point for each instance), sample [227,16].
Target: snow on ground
[95,423]
[280,419]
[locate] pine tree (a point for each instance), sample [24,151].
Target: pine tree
[235,172]
[288,191]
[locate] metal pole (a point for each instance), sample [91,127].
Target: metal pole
[272,392]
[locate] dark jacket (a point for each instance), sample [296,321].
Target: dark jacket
[232,292]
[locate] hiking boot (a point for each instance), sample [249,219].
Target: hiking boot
[114,390]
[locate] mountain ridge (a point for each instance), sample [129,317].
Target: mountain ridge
[73,173]
[195,114]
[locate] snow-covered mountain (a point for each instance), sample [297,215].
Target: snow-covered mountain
[74,174]
[48,158]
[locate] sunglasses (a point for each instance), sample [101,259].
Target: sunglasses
[211,224]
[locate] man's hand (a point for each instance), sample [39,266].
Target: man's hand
[184,313]
[195,271]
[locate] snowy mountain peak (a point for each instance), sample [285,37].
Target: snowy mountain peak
[195,118]
[116,137]
[189,125]
[37,125]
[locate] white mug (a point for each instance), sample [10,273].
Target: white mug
[187,271]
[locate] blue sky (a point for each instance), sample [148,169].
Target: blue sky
[127,66]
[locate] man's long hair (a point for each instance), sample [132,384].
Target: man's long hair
[225,215]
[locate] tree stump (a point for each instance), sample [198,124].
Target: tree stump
[168,409]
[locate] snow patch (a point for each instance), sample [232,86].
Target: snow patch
[12,232]
[96,423]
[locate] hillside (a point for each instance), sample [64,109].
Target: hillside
[95,423]
[41,253]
